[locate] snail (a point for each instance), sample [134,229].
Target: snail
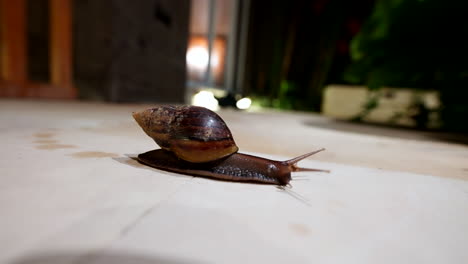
[196,141]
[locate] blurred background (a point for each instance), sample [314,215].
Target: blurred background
[393,62]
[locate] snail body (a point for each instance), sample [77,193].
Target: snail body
[236,167]
[196,141]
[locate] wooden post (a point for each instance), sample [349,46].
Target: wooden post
[13,47]
[61,47]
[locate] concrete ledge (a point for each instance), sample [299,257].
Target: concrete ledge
[396,105]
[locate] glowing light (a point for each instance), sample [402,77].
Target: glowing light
[244,103]
[205,99]
[197,58]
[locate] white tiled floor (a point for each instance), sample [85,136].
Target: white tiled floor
[70,194]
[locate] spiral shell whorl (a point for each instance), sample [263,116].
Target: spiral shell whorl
[194,134]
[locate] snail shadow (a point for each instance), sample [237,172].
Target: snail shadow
[132,160]
[288,190]
[98,258]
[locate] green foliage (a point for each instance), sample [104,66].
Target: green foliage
[417,44]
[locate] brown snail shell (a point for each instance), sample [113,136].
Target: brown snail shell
[194,134]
